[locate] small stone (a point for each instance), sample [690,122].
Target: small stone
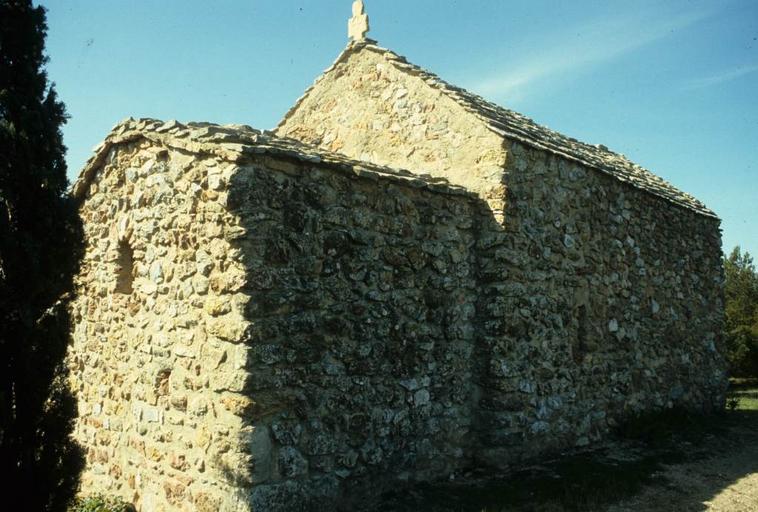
[151,414]
[217,306]
[260,449]
[148,287]
[286,434]
[421,397]
[184,351]
[179,402]
[200,284]
[197,406]
[409,384]
[215,182]
[167,126]
[204,263]
[178,462]
[292,463]
[156,272]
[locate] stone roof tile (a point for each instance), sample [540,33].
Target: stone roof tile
[237,143]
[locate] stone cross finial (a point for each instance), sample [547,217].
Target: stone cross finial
[357,27]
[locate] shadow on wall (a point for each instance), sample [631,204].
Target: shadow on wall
[399,332]
[364,339]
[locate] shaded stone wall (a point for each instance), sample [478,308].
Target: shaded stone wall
[602,301]
[362,330]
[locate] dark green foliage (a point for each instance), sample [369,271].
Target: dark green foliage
[743,393]
[100,503]
[40,245]
[741,294]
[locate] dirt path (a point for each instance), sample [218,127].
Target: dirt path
[724,480]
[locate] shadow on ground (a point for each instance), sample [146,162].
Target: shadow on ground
[677,462]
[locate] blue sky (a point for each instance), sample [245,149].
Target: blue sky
[671,84]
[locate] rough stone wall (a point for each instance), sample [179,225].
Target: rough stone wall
[599,301]
[270,334]
[369,109]
[362,331]
[596,299]
[261,331]
[155,359]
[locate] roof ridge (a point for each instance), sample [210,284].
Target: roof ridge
[516,126]
[512,124]
[237,142]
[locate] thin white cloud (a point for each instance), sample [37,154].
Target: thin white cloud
[720,78]
[581,47]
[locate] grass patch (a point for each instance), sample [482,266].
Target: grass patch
[743,383]
[743,395]
[748,403]
[100,503]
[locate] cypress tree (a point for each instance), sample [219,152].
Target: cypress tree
[40,245]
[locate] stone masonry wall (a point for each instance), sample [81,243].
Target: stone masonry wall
[266,329]
[600,301]
[156,360]
[596,300]
[293,333]
[362,331]
[371,109]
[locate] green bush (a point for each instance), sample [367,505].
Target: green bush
[100,503]
[741,294]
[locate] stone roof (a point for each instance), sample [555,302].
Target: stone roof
[517,127]
[240,143]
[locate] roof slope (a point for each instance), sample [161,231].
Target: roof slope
[240,143]
[515,126]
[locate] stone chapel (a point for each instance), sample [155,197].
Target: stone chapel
[402,282]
